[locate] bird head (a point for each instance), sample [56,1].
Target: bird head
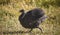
[22,10]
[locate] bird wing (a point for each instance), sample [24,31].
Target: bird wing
[42,19]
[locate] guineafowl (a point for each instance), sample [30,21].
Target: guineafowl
[32,18]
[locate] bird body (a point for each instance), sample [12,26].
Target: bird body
[32,18]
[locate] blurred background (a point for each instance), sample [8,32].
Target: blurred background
[9,13]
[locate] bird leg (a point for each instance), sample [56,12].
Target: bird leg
[40,29]
[30,30]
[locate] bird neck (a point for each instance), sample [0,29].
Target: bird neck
[23,14]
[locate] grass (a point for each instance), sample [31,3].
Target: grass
[9,18]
